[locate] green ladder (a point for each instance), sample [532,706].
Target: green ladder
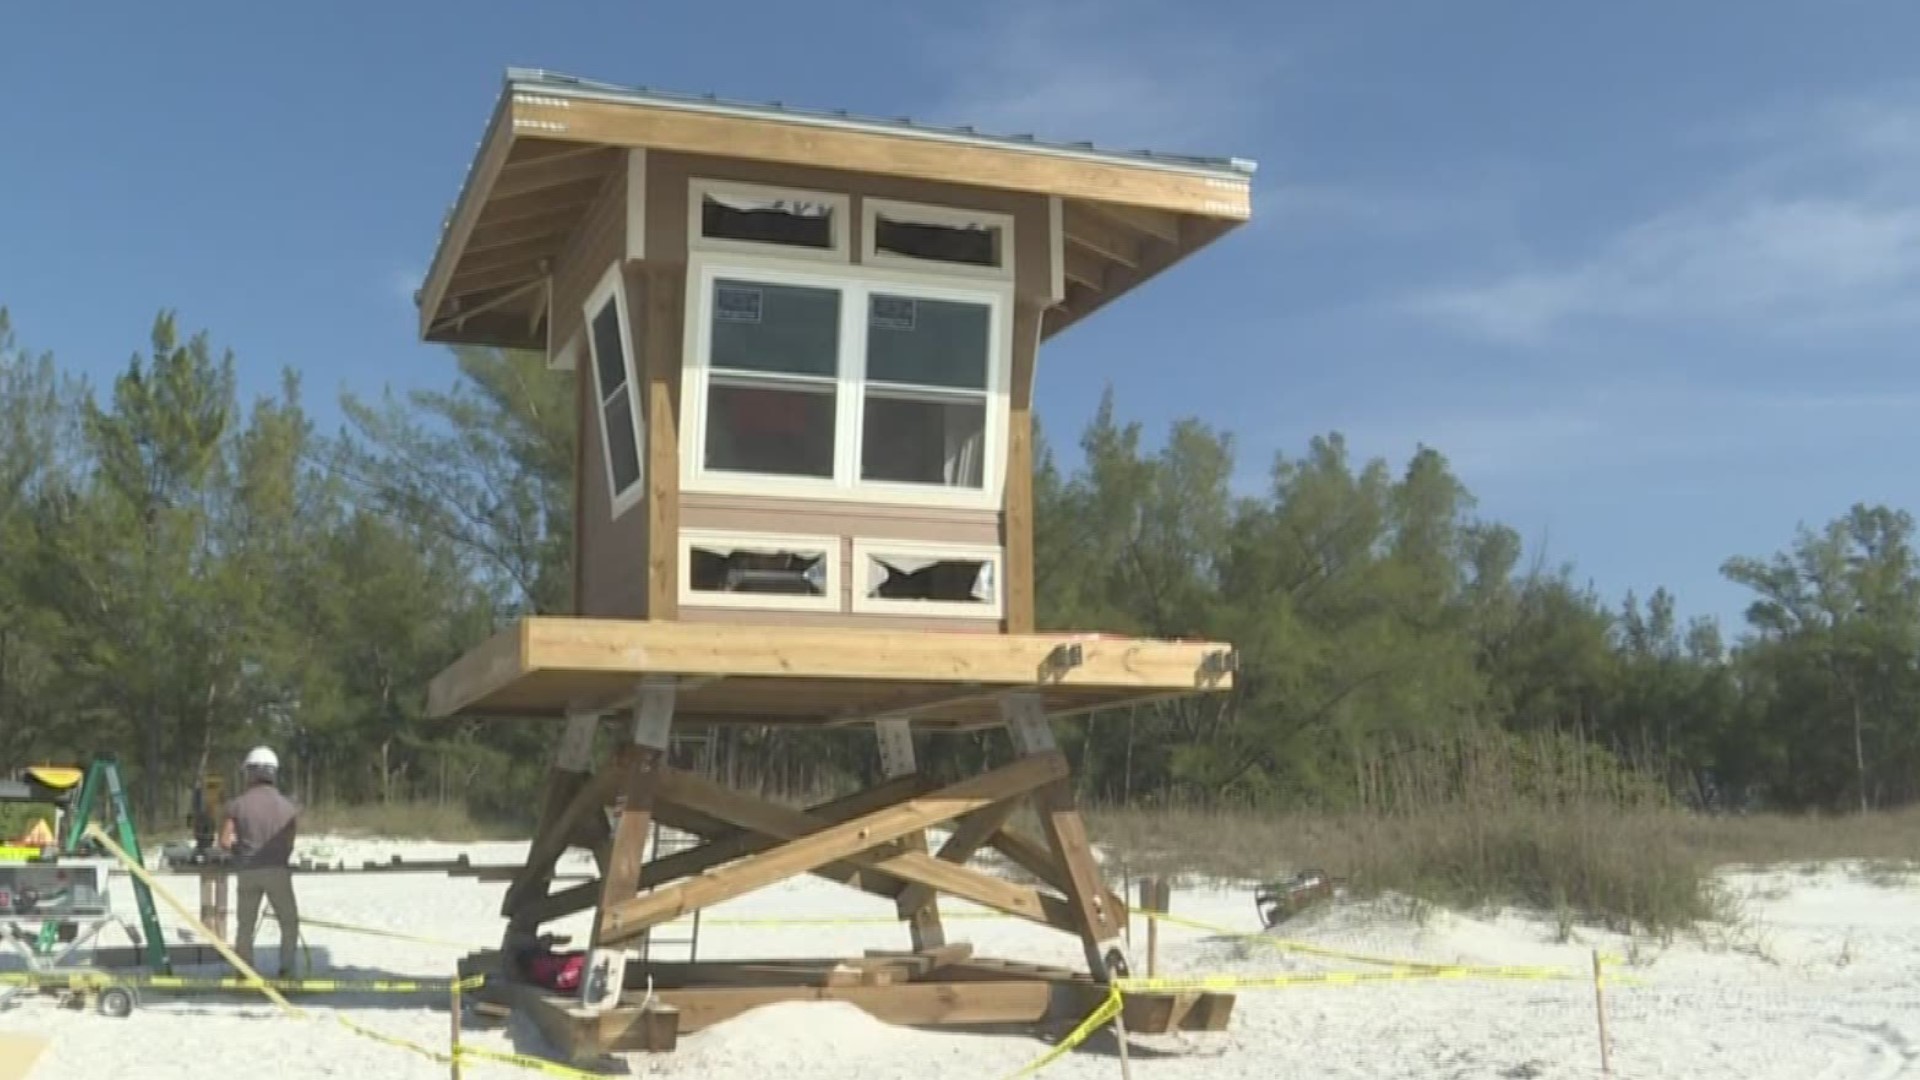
[103,773]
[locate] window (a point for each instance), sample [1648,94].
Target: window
[925,413]
[729,216]
[934,579]
[622,428]
[774,354]
[844,383]
[938,238]
[760,571]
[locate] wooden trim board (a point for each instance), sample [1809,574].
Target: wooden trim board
[542,665]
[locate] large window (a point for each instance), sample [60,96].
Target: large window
[616,390]
[845,382]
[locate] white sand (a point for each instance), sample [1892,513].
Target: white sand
[1821,978]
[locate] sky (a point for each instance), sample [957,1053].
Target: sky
[1647,274]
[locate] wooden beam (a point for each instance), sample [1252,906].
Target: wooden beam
[1100,236]
[562,785]
[1086,896]
[972,834]
[1162,226]
[557,647]
[1016,523]
[1085,269]
[899,862]
[795,857]
[1033,857]
[523,273]
[659,348]
[539,249]
[555,225]
[918,1004]
[637,770]
[577,195]
[552,841]
[554,170]
[495,147]
[723,845]
[1007,168]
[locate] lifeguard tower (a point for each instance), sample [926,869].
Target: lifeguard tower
[804,346]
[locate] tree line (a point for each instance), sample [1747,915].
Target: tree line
[184,574]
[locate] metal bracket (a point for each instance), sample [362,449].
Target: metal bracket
[653,713]
[896,748]
[576,745]
[1027,722]
[1220,662]
[1064,658]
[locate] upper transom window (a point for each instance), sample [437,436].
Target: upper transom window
[728,216]
[936,239]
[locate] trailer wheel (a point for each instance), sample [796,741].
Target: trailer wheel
[117,1001]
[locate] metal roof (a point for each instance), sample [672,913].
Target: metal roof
[537,80]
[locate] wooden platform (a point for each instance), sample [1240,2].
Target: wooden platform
[552,665]
[945,987]
[648,677]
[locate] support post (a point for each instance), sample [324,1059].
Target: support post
[1100,926]
[213,899]
[640,764]
[571,762]
[921,910]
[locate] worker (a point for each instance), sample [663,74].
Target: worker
[259,831]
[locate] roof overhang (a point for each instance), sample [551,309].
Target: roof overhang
[553,141]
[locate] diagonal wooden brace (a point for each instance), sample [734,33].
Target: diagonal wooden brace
[885,870]
[725,843]
[630,919]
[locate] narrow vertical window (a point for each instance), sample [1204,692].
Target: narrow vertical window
[609,336]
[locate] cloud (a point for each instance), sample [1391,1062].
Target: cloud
[1815,229]
[1125,74]
[1643,425]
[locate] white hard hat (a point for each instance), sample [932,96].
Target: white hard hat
[261,757]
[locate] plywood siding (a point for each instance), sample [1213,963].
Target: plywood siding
[600,239]
[611,571]
[848,522]
[668,175]
[828,517]
[612,574]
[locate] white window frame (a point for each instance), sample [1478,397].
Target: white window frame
[865,547]
[613,285]
[925,214]
[841,221]
[832,545]
[856,283]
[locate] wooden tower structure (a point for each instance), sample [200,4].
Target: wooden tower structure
[804,346]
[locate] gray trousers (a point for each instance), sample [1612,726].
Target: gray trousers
[276,885]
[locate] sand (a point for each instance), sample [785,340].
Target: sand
[1820,977]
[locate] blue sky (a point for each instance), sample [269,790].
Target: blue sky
[1649,274]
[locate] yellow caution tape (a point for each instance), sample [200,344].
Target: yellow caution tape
[374,931]
[525,1062]
[424,1051]
[1106,1011]
[1308,949]
[1328,978]
[172,982]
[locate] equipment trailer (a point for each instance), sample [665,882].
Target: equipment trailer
[63,887]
